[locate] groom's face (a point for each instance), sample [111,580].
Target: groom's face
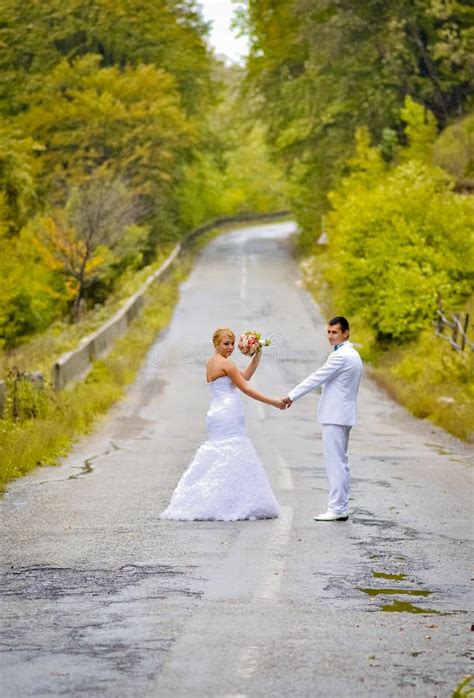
[336,335]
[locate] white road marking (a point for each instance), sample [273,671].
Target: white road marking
[248,662]
[284,476]
[270,583]
[269,587]
[243,279]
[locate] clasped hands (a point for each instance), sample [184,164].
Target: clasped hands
[284,403]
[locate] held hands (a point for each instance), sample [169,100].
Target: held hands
[279,404]
[282,403]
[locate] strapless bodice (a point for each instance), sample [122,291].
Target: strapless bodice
[225,416]
[220,386]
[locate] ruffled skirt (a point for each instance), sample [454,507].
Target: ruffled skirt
[225,482]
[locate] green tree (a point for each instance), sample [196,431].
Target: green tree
[420,130]
[31,298]
[36,36]
[233,171]
[129,121]
[396,241]
[323,69]
[18,185]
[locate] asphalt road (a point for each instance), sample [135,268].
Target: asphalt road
[101,598]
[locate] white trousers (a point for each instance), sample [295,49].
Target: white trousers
[335,445]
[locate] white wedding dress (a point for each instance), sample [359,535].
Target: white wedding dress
[226,480]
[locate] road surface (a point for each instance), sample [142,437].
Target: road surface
[101,598]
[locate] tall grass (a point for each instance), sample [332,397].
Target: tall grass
[433,381]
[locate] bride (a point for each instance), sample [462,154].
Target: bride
[225,480]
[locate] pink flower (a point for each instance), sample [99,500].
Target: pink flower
[250,342]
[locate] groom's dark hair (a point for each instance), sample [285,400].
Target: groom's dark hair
[340,320]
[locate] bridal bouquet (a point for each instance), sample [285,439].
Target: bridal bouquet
[250,342]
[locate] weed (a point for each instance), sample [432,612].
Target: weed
[464,688]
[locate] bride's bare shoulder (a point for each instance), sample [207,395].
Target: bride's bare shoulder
[218,366]
[228,365]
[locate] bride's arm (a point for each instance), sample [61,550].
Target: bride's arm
[252,367]
[238,380]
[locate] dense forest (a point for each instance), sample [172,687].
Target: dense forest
[367,108]
[120,131]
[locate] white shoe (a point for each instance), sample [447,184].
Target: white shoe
[331,516]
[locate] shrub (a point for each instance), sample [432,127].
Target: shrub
[396,241]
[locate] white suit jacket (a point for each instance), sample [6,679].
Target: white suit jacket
[339,378]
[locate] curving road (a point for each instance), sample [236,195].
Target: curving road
[101,598]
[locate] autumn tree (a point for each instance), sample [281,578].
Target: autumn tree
[82,243]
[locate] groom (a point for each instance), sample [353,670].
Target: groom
[339,378]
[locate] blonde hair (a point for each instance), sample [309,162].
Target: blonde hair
[219,333]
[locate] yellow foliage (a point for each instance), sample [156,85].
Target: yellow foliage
[130,119]
[61,250]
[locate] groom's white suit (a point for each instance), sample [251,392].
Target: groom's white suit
[339,377]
